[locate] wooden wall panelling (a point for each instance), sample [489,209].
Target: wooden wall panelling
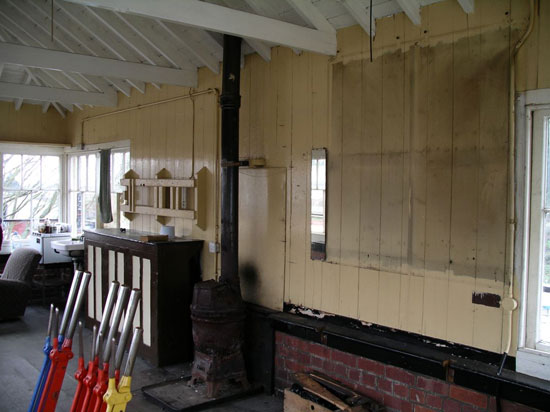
[466,68]
[331,269]
[543,75]
[299,175]
[392,189]
[438,181]
[262,204]
[350,188]
[371,179]
[493,178]
[91,293]
[319,79]
[98,274]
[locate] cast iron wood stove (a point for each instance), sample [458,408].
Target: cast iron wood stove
[217,311]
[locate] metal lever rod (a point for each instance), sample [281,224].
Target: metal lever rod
[113,351]
[78,304]
[55,321]
[117,315]
[135,297]
[94,337]
[80,341]
[109,304]
[132,354]
[50,321]
[70,302]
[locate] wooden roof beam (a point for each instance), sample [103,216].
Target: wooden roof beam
[224,20]
[50,94]
[97,66]
[312,15]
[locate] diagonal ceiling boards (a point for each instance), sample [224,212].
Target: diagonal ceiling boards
[224,20]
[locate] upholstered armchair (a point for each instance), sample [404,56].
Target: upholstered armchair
[15,282]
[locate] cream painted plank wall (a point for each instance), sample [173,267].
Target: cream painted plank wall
[29,124]
[417,143]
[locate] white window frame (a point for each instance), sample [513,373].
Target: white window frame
[117,146]
[533,357]
[35,149]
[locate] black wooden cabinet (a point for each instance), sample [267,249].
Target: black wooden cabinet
[164,271]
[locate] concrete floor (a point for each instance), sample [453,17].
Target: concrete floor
[21,358]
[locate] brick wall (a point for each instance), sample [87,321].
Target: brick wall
[394,387]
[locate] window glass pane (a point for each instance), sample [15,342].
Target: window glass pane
[17,205]
[117,170]
[89,210]
[92,160]
[46,204]
[314,174]
[544,325]
[82,173]
[12,171]
[17,229]
[75,211]
[31,172]
[50,172]
[73,173]
[322,174]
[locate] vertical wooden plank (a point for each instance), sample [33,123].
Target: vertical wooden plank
[112,266]
[334,167]
[136,284]
[371,166]
[466,56]
[368,295]
[91,287]
[543,76]
[438,186]
[120,267]
[244,112]
[146,299]
[349,291]
[389,299]
[301,148]
[98,284]
[331,287]
[392,163]
[351,177]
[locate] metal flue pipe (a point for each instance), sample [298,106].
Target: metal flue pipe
[230,102]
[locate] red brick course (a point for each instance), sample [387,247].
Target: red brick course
[396,388]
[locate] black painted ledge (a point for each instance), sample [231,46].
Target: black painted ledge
[465,366]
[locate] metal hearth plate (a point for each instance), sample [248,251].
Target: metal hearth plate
[175,395]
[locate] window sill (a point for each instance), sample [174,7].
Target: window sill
[533,363]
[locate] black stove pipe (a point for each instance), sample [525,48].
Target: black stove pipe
[230,102]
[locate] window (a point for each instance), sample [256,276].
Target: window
[533,356]
[31,192]
[83,189]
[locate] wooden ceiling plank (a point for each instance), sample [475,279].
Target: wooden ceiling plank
[224,20]
[411,9]
[311,14]
[360,14]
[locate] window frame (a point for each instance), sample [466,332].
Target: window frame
[34,150]
[532,357]
[118,146]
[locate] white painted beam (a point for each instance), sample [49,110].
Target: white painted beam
[467,6]
[312,15]
[19,102]
[50,94]
[224,20]
[360,14]
[98,66]
[411,9]
[197,50]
